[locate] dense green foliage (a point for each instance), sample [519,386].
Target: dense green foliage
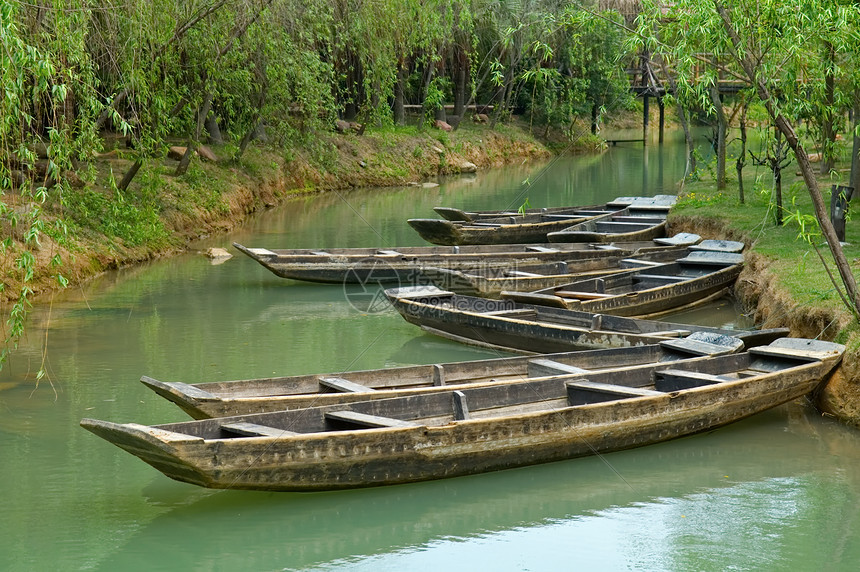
[81,76]
[84,77]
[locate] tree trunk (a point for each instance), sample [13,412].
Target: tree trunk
[213,130]
[428,78]
[260,68]
[129,176]
[399,111]
[855,148]
[776,167]
[713,91]
[682,117]
[828,145]
[741,162]
[195,141]
[461,76]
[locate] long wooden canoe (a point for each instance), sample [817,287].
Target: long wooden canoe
[611,227]
[511,326]
[401,265]
[489,281]
[658,202]
[475,430]
[501,230]
[696,278]
[536,226]
[240,397]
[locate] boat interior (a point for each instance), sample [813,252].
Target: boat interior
[539,395]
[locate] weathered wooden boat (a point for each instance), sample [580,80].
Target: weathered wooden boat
[241,397]
[501,230]
[658,202]
[611,227]
[491,281]
[699,277]
[401,265]
[532,227]
[511,326]
[475,430]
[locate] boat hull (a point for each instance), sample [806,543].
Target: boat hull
[445,232]
[402,266]
[388,456]
[645,303]
[511,326]
[242,397]
[490,282]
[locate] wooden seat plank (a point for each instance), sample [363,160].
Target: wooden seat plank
[255,430]
[676,380]
[262,252]
[344,385]
[582,392]
[712,258]
[367,420]
[540,367]
[536,248]
[796,353]
[633,262]
[669,333]
[703,348]
[660,277]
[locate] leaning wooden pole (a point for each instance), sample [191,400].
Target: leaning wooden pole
[821,212]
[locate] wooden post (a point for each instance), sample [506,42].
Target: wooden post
[839,198]
[645,114]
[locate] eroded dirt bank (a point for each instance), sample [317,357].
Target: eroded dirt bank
[757,290]
[190,208]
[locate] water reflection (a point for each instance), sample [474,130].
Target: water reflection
[732,490]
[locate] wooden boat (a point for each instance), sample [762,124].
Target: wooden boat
[611,227]
[532,227]
[240,397]
[479,429]
[510,326]
[501,230]
[491,280]
[401,265]
[659,202]
[699,277]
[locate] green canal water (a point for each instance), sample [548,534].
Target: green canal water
[780,491]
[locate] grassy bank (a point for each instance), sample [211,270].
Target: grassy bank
[160,213]
[784,283]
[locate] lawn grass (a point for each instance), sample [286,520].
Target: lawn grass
[791,252]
